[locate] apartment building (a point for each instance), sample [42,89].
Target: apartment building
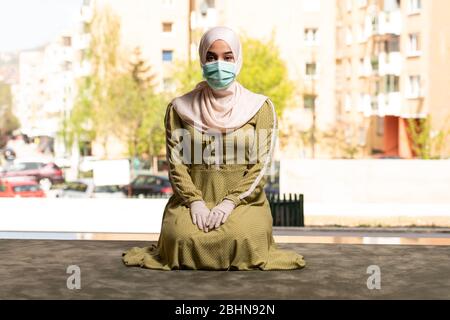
[303,31]
[363,65]
[46,88]
[392,65]
[161,29]
[169,30]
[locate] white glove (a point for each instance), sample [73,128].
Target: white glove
[220,213]
[199,214]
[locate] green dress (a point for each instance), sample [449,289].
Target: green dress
[245,240]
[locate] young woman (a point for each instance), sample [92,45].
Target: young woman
[218,217]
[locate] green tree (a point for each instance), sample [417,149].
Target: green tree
[92,117]
[8,121]
[152,131]
[140,71]
[118,96]
[426,143]
[264,72]
[186,75]
[139,110]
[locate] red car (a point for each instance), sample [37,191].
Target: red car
[25,188]
[46,174]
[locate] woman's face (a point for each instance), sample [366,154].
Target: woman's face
[219,50]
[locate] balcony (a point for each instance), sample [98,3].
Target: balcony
[83,69]
[365,68]
[204,20]
[389,104]
[81,41]
[86,13]
[390,23]
[365,105]
[390,63]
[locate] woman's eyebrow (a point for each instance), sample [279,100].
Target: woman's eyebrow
[215,54]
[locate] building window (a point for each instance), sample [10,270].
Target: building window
[374,104]
[364,103]
[311,69]
[348,68]
[348,36]
[309,101]
[67,41]
[375,64]
[349,5]
[311,36]
[380,126]
[362,136]
[361,102]
[364,66]
[413,87]
[391,45]
[375,25]
[361,34]
[414,6]
[393,83]
[205,5]
[391,5]
[361,66]
[66,66]
[362,3]
[348,103]
[413,44]
[211,3]
[167,27]
[390,83]
[167,55]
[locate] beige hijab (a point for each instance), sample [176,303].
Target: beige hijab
[223,110]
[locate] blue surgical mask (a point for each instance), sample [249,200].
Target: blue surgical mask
[219,74]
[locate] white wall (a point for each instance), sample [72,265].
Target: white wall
[352,192]
[379,181]
[81,215]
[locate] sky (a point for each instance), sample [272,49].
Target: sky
[27,24]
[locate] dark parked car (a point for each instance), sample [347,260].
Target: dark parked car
[146,184]
[45,173]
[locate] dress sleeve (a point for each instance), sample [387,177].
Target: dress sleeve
[179,176]
[255,178]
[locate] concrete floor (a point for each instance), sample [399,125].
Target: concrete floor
[36,269]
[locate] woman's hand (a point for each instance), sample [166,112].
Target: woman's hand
[220,213]
[199,214]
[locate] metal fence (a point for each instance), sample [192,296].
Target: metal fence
[287,209]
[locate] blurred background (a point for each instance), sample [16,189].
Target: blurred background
[361,88]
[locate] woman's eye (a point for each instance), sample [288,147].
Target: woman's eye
[229,58]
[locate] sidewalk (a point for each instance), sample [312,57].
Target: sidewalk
[355,214]
[304,235]
[36,269]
